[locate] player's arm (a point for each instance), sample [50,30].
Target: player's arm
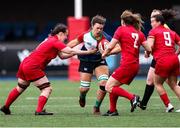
[148,45]
[178,51]
[73,43]
[69,50]
[63,55]
[177,41]
[111,45]
[115,50]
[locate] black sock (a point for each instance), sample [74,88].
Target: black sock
[83,95]
[147,94]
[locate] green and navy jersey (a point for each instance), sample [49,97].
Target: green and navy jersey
[90,42]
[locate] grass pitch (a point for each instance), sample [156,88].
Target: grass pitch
[67,112]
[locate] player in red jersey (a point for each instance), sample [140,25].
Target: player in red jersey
[163,41]
[168,15]
[130,38]
[32,68]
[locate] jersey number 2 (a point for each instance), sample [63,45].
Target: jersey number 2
[167,38]
[135,36]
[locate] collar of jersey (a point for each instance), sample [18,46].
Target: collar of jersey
[55,36]
[94,37]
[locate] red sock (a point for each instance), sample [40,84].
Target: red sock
[113,100]
[41,102]
[121,92]
[165,99]
[12,97]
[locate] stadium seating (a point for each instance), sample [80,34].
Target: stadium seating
[21,31]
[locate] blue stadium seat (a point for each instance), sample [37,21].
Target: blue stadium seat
[5,30]
[18,31]
[30,30]
[47,29]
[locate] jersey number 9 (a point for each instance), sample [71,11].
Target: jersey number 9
[167,38]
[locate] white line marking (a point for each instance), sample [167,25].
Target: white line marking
[51,106]
[73,98]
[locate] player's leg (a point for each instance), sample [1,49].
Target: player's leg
[102,74]
[173,85]
[158,82]
[112,97]
[112,86]
[86,72]
[85,79]
[13,95]
[117,79]
[149,86]
[44,86]
[178,82]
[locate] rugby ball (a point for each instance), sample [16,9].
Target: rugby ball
[103,44]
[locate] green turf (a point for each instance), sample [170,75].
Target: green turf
[64,103]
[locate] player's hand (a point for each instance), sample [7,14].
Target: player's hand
[92,51]
[146,54]
[103,55]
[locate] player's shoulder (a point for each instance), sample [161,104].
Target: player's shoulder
[172,31]
[52,38]
[84,33]
[154,31]
[141,33]
[168,30]
[122,28]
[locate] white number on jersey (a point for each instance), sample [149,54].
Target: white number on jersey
[135,36]
[167,38]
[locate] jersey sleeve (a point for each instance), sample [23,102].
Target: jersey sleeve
[117,34]
[151,33]
[80,37]
[143,38]
[107,36]
[59,45]
[177,38]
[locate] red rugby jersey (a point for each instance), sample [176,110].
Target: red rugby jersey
[130,41]
[165,40]
[45,52]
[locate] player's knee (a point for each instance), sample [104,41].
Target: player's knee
[43,86]
[21,87]
[102,81]
[103,78]
[173,86]
[149,81]
[46,89]
[49,89]
[85,84]
[108,88]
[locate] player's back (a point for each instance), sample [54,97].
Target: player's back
[44,52]
[164,43]
[130,41]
